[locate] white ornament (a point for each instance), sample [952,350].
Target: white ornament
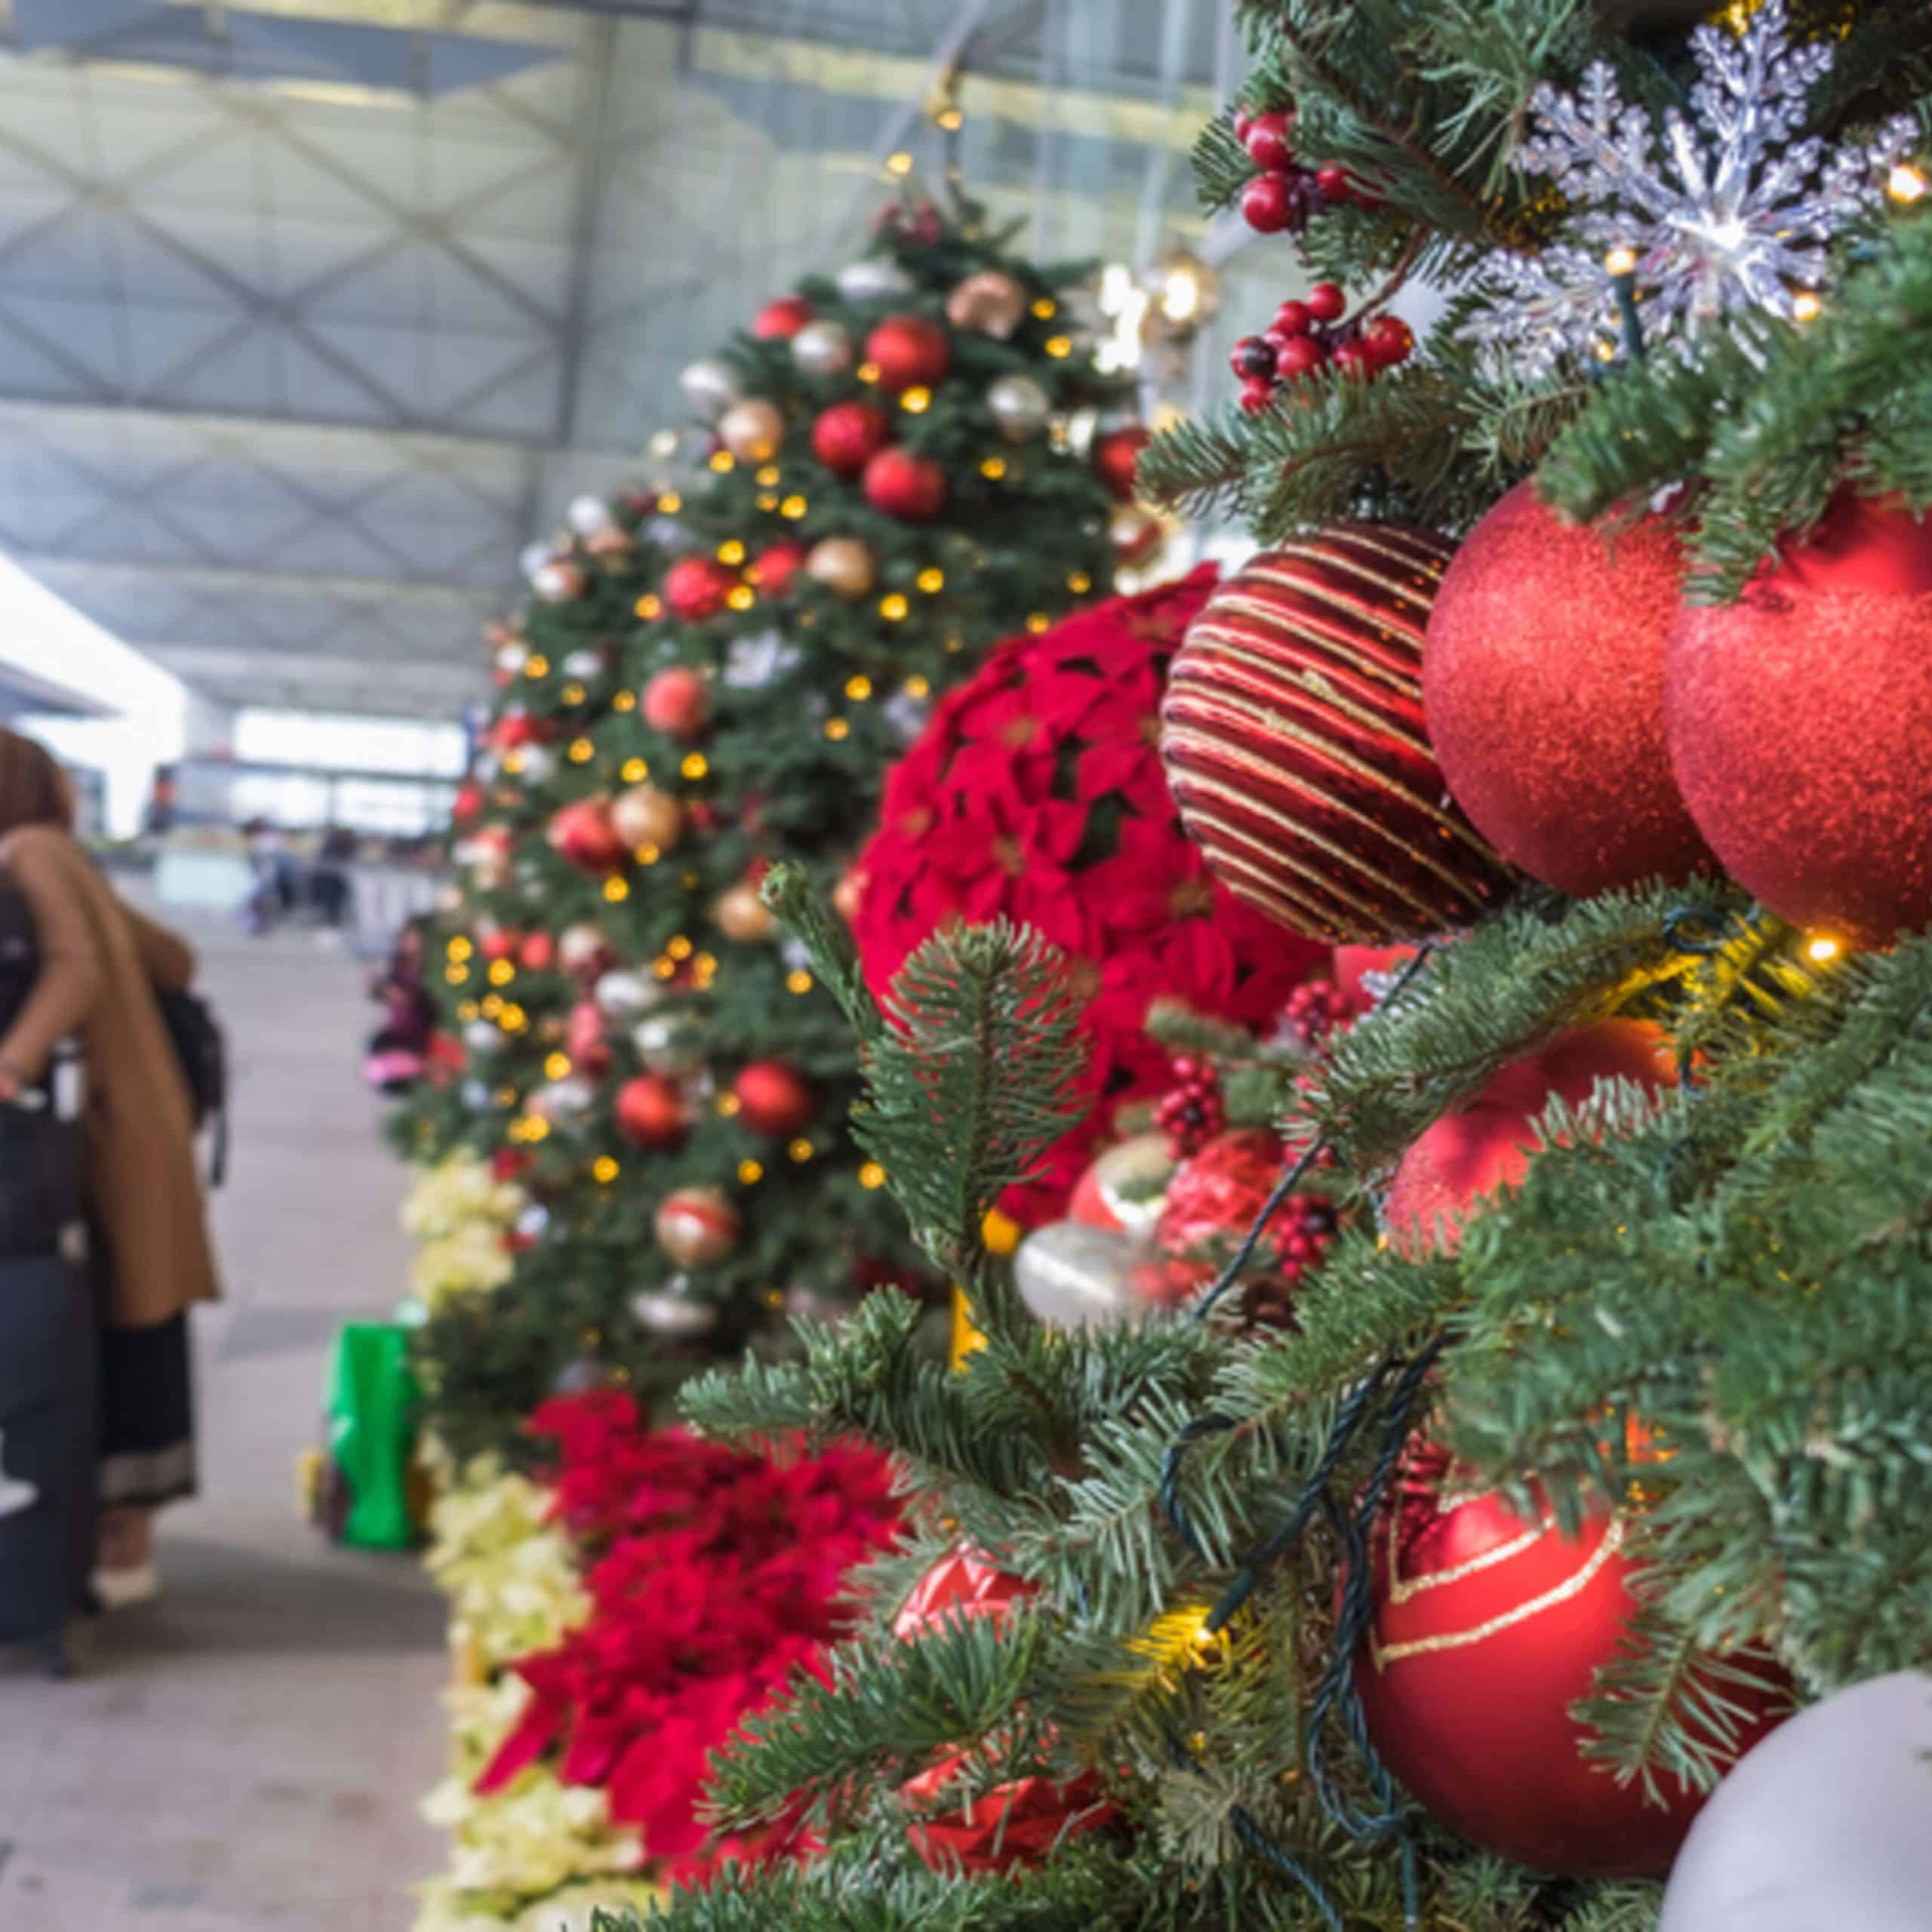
[622,993]
[531,1222]
[753,662]
[532,557]
[1730,213]
[562,1102]
[665,1047]
[588,515]
[486,767]
[539,765]
[511,657]
[1020,406]
[481,1037]
[1075,1276]
[907,716]
[710,386]
[584,665]
[666,1312]
[476,1097]
[873,279]
[795,953]
[824,348]
[556,583]
[582,949]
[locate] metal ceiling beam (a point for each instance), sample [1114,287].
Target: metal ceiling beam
[243,580]
[214,664]
[593,176]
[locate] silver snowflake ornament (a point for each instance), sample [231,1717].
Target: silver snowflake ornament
[1728,210]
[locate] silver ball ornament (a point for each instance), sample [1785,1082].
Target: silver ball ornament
[665,1048]
[475,1097]
[538,766]
[588,515]
[1020,406]
[511,657]
[584,665]
[823,349]
[872,279]
[667,1312]
[562,1102]
[481,1037]
[1075,1276]
[533,557]
[622,993]
[710,386]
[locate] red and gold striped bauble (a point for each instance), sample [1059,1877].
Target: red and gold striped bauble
[1293,737]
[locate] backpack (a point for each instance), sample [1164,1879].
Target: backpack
[202,1050]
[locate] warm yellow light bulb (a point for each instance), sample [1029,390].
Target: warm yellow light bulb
[680,947]
[647,854]
[916,400]
[1039,621]
[1044,308]
[604,1170]
[556,1066]
[741,597]
[899,164]
[801,1150]
[872,1175]
[723,461]
[536,665]
[581,751]
[1060,345]
[696,764]
[750,1173]
[501,973]
[893,608]
[917,686]
[1822,948]
[767,475]
[952,120]
[731,552]
[1906,183]
[617,891]
[727,1104]
[793,507]
[859,688]
[460,948]
[458,976]
[1620,261]
[634,771]
[1805,306]
[867,372]
[993,469]
[798,981]
[624,701]
[836,728]
[670,503]
[1080,584]
[649,608]
[931,579]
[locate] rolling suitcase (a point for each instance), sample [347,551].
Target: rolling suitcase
[50,1426]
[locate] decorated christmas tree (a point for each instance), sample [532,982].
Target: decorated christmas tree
[1579,1444]
[898,465]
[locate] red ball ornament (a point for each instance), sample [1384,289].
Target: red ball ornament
[846,436]
[1036,792]
[1486,1630]
[696,1226]
[1542,684]
[677,701]
[498,942]
[1797,721]
[772,570]
[1292,738]
[695,588]
[584,1039]
[1117,455]
[1268,203]
[772,1098]
[517,728]
[1014,1825]
[1487,1145]
[908,350]
[538,952]
[582,832]
[905,485]
[468,802]
[650,1111]
[782,319]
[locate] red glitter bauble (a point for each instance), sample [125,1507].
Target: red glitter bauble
[772,570]
[1293,736]
[772,1098]
[695,588]
[907,350]
[1485,1631]
[582,833]
[650,1111]
[1036,792]
[846,436]
[905,485]
[1117,455]
[1543,682]
[1014,1825]
[1213,1200]
[1799,720]
[1487,1144]
[677,701]
[782,318]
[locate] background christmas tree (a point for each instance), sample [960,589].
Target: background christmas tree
[901,464]
[1608,1391]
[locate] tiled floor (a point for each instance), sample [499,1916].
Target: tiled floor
[248,1752]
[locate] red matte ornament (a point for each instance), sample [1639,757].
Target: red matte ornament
[677,701]
[1292,734]
[772,570]
[905,485]
[1116,456]
[467,803]
[772,1098]
[1470,1154]
[782,318]
[846,436]
[498,942]
[538,952]
[1798,722]
[908,350]
[1543,688]
[650,1111]
[518,728]
[1486,1630]
[695,588]
[582,832]
[584,1041]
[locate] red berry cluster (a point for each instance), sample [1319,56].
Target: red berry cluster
[1301,1233]
[1315,1009]
[1192,1111]
[1311,334]
[1285,194]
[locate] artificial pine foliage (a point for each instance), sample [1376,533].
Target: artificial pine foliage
[822,608]
[1708,1309]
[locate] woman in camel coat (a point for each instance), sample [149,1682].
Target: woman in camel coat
[100,962]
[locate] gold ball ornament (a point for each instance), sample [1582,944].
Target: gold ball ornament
[843,564]
[696,1225]
[741,914]
[1292,734]
[752,430]
[645,816]
[988,303]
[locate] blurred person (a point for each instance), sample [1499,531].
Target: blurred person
[151,1260]
[329,886]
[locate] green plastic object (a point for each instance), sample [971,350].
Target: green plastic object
[371,1407]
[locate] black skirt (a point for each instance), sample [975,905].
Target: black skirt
[147,1415]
